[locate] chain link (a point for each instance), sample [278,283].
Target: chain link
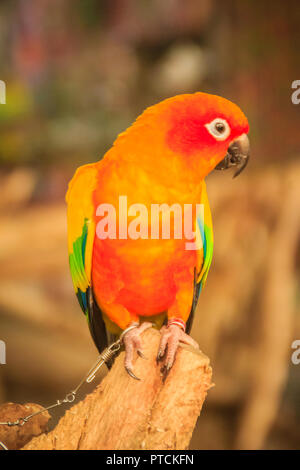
[104,357]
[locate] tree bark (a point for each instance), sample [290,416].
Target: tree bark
[125,414]
[15,437]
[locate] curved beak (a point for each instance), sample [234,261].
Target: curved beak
[238,154]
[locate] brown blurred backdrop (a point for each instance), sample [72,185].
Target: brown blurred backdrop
[77,73]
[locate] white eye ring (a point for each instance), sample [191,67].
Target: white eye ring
[218,128]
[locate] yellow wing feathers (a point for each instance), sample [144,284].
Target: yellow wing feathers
[81,225]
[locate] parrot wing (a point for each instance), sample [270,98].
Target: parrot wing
[81,233]
[204,237]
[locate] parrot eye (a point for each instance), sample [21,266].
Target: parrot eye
[218,128]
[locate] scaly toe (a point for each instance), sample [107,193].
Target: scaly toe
[132,343]
[171,336]
[141,354]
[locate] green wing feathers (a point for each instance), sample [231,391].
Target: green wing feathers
[205,242]
[204,223]
[81,230]
[77,267]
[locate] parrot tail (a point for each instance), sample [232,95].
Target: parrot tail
[101,336]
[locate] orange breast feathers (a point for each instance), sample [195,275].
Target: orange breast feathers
[140,274]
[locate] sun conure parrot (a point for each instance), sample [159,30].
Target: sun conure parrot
[162,158]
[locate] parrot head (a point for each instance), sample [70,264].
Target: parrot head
[210,129]
[187,136]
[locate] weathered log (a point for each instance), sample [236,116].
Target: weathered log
[123,413]
[15,437]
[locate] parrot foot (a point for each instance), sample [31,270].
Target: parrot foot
[132,342]
[170,337]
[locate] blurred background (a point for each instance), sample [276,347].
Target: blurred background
[77,73]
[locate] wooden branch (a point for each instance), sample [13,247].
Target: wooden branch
[15,437]
[124,414]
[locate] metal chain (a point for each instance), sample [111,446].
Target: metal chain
[104,357]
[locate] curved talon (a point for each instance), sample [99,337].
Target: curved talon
[161,354]
[165,372]
[158,357]
[130,372]
[141,354]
